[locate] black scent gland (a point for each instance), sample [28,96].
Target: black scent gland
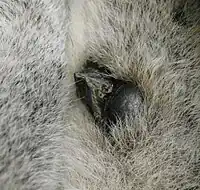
[107,98]
[126,100]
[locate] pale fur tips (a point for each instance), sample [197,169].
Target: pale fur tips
[49,140]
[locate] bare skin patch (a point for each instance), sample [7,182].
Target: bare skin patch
[107,98]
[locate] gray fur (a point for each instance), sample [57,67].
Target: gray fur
[48,140]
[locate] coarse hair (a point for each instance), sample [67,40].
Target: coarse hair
[49,141]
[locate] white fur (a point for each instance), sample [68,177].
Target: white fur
[48,140]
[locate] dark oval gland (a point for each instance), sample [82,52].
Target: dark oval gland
[107,98]
[126,101]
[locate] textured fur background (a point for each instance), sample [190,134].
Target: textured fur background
[49,141]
